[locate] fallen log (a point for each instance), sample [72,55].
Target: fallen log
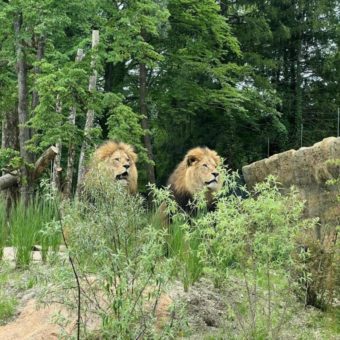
[8,180]
[44,161]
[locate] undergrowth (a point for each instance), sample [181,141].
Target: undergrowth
[126,260]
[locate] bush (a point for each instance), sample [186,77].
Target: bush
[255,237]
[119,261]
[317,268]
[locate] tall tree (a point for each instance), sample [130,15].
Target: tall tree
[135,28]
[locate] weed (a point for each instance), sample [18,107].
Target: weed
[7,308]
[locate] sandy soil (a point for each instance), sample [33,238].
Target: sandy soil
[32,323]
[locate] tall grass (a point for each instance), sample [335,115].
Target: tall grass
[26,226]
[183,244]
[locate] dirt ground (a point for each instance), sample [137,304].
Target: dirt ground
[32,323]
[205,310]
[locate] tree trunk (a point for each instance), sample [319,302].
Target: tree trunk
[36,70]
[145,122]
[24,134]
[10,139]
[89,117]
[8,181]
[10,131]
[295,91]
[70,160]
[71,148]
[56,180]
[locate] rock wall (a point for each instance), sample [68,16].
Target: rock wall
[308,170]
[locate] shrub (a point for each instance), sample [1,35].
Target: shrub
[255,237]
[317,268]
[118,259]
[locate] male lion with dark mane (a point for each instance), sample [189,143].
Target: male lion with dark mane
[115,160]
[196,172]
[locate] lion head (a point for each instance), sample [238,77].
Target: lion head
[117,160]
[197,171]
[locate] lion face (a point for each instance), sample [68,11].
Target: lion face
[117,161]
[202,170]
[120,165]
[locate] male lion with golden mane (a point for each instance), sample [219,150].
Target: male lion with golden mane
[116,160]
[196,172]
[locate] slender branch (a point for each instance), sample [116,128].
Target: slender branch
[74,272]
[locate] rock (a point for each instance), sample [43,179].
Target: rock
[308,170]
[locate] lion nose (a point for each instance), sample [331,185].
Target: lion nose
[126,166]
[215,174]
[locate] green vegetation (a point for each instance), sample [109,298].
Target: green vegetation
[247,78]
[125,264]
[28,226]
[119,260]
[7,308]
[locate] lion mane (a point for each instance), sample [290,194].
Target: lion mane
[118,160]
[197,171]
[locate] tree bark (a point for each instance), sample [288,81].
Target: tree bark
[39,56]
[24,134]
[89,117]
[145,122]
[56,180]
[71,148]
[10,139]
[7,181]
[10,131]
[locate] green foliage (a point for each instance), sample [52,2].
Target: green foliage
[10,160]
[119,260]
[27,225]
[256,237]
[317,268]
[291,48]
[252,238]
[129,25]
[64,87]
[7,308]
[124,124]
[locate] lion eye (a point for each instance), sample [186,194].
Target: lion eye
[205,165]
[116,159]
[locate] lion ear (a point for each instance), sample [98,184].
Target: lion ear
[191,159]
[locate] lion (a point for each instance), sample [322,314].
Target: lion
[196,172]
[118,160]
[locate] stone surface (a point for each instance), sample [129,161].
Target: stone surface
[308,170]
